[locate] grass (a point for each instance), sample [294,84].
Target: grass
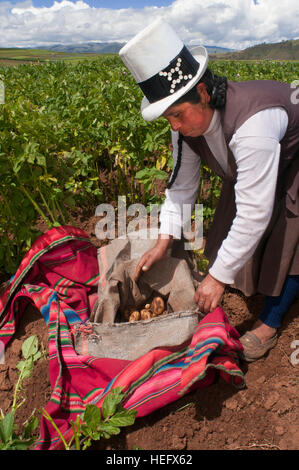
[15,56]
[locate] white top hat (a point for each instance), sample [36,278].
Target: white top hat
[162,66]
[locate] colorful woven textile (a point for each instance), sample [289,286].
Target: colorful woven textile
[59,275]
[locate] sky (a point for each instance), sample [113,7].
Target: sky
[235,24]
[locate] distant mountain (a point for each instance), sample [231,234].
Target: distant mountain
[89,47]
[217,49]
[285,50]
[111,48]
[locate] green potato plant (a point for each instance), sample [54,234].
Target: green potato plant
[94,424]
[10,439]
[72,135]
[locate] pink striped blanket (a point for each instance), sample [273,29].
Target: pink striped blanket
[59,275]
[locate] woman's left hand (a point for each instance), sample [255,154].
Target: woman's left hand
[209,293]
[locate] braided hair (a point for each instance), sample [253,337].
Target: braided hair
[216,88]
[178,163]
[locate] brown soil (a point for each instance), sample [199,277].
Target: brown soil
[264,415]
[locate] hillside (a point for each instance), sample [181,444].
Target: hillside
[112,47]
[286,50]
[90,47]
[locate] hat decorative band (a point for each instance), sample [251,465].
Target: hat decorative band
[169,80]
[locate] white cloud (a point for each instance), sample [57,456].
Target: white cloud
[57,6]
[228,23]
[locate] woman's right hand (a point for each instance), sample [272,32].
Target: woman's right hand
[153,255]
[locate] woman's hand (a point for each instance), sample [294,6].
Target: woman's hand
[154,254]
[209,293]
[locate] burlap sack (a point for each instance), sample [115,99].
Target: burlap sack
[171,278]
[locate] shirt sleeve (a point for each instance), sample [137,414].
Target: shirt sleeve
[256,148]
[183,191]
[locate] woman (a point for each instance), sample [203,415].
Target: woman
[248,134]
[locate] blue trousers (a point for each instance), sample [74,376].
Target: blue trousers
[276,307]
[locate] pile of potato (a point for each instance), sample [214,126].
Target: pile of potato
[154,309]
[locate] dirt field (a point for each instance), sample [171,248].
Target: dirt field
[263,416]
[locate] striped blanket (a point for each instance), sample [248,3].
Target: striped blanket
[59,275]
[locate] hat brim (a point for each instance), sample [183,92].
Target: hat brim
[151,111]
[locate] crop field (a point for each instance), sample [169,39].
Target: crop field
[63,125]
[22,56]
[72,137]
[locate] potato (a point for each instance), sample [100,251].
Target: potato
[157,306]
[145,314]
[135,316]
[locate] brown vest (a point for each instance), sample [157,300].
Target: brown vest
[277,254]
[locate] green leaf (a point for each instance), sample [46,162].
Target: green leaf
[37,356]
[142,174]
[123,418]
[109,429]
[92,417]
[40,160]
[25,367]
[30,427]
[20,365]
[30,346]
[6,427]
[111,401]
[87,443]
[18,444]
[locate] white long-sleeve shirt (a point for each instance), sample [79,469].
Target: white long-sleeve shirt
[256,149]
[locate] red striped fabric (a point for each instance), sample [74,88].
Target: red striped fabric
[59,275]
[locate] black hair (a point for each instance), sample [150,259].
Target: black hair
[216,88]
[178,163]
